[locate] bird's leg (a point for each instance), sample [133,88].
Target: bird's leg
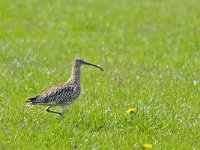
[64,107]
[48,110]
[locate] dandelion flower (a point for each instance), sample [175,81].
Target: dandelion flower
[131,110]
[147,146]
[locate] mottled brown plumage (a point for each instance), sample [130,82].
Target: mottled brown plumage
[64,94]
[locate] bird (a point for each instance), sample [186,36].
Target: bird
[64,94]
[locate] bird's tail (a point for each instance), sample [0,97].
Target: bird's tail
[32,101]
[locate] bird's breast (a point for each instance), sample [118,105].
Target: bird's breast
[76,90]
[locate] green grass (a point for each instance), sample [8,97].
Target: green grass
[150,51]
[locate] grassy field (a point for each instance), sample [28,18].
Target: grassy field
[150,50]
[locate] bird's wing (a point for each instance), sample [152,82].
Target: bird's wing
[57,93]
[54,95]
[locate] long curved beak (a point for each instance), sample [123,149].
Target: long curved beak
[87,63]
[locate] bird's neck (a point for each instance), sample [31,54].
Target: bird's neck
[76,74]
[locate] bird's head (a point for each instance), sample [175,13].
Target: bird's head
[78,62]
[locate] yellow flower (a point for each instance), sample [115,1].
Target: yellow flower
[131,110]
[147,146]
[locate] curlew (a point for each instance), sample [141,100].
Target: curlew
[64,94]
